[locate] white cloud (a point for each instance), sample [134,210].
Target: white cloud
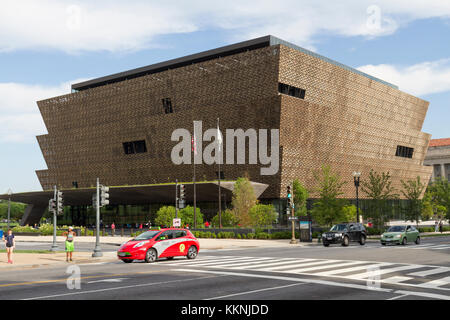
[419,79]
[20,119]
[113,25]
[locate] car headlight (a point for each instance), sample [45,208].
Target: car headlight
[398,236]
[338,235]
[140,244]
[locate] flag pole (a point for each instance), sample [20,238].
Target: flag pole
[194,148]
[219,140]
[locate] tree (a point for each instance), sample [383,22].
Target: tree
[165,216]
[349,212]
[243,200]
[229,219]
[187,216]
[412,190]
[378,188]
[300,197]
[17,210]
[427,206]
[328,209]
[440,189]
[262,215]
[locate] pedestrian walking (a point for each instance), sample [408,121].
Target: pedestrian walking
[206,224]
[113,229]
[140,226]
[436,226]
[441,226]
[70,235]
[10,245]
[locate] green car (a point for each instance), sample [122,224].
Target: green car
[400,235]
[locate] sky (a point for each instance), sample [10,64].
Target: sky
[46,45]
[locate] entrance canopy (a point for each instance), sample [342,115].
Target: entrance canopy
[126,195]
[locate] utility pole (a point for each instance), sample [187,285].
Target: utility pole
[53,208]
[101,198]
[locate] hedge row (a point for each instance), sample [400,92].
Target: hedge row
[232,235]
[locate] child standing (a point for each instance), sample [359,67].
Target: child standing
[10,245]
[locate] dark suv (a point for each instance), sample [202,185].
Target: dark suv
[343,233]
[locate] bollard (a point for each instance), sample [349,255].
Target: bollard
[121,232]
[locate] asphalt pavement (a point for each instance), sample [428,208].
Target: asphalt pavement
[312,272]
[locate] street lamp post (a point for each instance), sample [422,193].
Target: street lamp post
[9,206]
[356,176]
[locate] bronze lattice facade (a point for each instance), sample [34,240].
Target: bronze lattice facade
[346,119]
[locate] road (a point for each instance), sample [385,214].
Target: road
[311,272]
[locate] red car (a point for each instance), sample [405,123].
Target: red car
[155,244]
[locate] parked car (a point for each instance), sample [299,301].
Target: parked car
[344,233]
[155,244]
[400,235]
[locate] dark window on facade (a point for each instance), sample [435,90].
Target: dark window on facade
[134,147]
[167,105]
[291,90]
[404,152]
[222,175]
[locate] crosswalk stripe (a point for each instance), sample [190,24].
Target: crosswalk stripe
[429,272]
[395,279]
[344,264]
[431,246]
[180,262]
[307,264]
[337,272]
[436,284]
[441,248]
[291,261]
[232,261]
[239,263]
[361,276]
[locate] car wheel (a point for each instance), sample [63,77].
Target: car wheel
[326,244]
[192,252]
[127,260]
[345,241]
[404,241]
[418,240]
[383,244]
[362,241]
[150,255]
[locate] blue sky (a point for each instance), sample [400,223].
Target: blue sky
[47,45]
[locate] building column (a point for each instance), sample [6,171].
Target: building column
[443,176]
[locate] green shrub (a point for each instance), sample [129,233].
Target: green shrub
[238,236]
[250,235]
[262,235]
[213,235]
[374,231]
[27,229]
[244,236]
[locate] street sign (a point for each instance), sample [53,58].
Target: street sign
[292,218]
[177,222]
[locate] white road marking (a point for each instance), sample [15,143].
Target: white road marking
[288,261]
[436,284]
[335,273]
[118,288]
[230,261]
[204,261]
[395,280]
[423,294]
[380,272]
[398,297]
[307,264]
[255,291]
[328,266]
[429,272]
[108,280]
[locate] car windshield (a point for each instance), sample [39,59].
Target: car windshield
[146,235]
[396,229]
[339,227]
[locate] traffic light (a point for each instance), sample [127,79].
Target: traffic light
[104,196]
[59,203]
[289,199]
[182,196]
[52,205]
